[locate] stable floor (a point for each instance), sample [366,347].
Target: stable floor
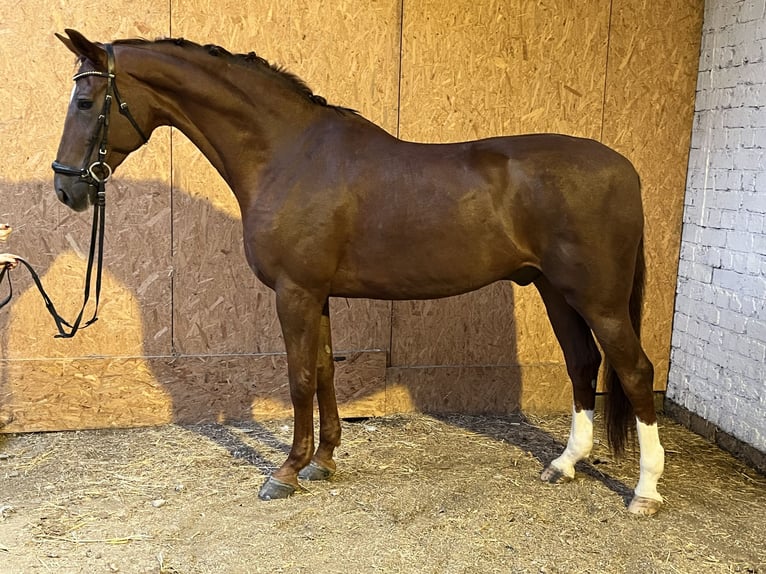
[412,494]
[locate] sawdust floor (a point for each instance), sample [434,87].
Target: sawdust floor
[412,494]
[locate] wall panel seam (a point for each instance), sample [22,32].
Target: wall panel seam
[606,69]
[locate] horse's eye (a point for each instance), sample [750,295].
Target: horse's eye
[84,104]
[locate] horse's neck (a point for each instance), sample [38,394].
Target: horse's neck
[233,114]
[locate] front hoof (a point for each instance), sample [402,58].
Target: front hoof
[315,471]
[553,475]
[274,488]
[642,506]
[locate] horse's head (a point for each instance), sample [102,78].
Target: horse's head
[99,131]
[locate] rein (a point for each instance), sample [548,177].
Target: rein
[96,174]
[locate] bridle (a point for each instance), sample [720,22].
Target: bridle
[96,174]
[99,172]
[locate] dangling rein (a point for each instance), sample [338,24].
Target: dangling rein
[67,330]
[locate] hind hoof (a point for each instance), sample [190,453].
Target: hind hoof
[274,489]
[642,506]
[315,471]
[553,475]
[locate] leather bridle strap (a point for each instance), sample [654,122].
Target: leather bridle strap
[122,105]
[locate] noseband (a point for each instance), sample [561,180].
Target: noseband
[99,172]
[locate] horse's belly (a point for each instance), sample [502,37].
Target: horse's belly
[427,270]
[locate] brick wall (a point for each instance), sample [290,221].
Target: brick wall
[719,338]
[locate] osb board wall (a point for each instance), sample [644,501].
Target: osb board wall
[220,308]
[128,391]
[187,333]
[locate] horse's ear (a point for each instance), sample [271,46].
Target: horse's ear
[84,48]
[67,42]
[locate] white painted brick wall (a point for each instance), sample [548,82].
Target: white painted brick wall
[718,350]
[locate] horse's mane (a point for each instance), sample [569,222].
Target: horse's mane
[251,60]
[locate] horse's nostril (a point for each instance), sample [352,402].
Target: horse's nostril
[63,196]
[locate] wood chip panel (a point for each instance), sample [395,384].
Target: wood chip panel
[480,69]
[68,394]
[620,71]
[478,390]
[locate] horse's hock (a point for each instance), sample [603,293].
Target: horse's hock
[188,334]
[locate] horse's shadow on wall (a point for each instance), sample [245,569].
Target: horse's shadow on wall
[138,222]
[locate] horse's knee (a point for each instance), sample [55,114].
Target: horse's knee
[330,429]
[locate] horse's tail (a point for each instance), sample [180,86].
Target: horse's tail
[619,411]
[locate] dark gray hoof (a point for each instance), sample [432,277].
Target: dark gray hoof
[553,475]
[314,471]
[274,488]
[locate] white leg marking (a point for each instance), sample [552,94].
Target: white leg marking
[579,444]
[652,460]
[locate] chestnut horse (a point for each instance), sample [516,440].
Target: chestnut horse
[334,206]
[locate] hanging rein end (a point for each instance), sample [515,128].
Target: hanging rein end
[62,334]
[8,297]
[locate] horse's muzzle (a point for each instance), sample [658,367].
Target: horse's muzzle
[74,192]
